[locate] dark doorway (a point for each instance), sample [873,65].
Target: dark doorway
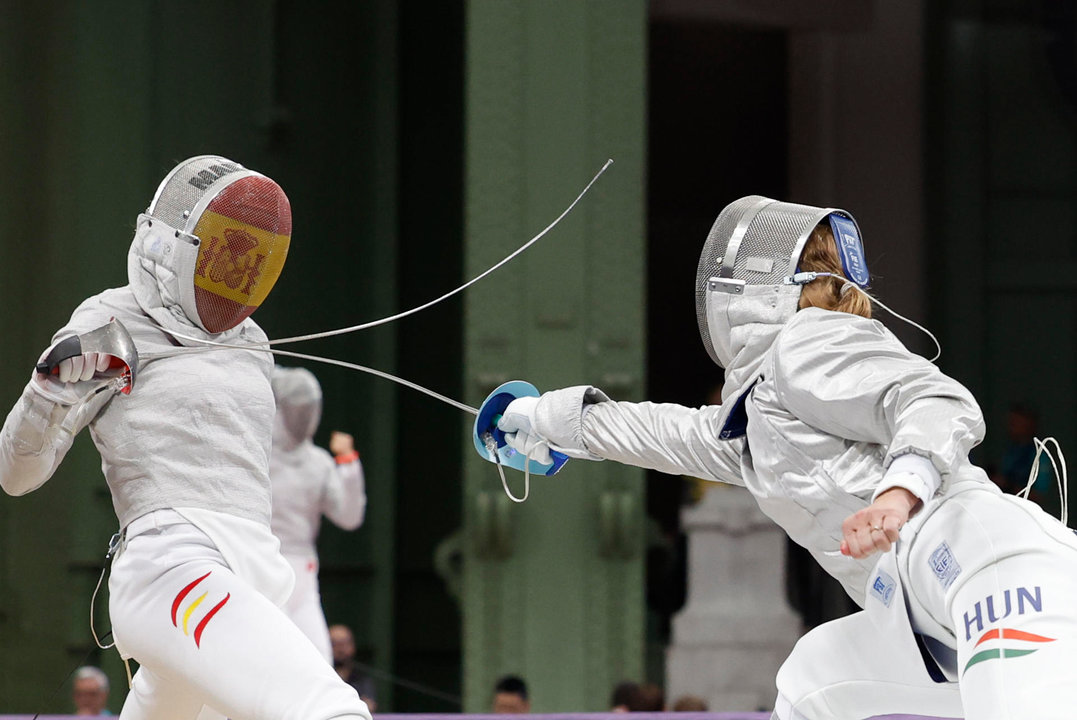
[717,131]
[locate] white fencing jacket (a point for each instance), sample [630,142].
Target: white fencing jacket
[194,432]
[835,411]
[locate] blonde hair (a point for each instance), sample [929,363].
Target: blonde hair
[821,255]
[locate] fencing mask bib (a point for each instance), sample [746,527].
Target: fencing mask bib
[753,248]
[241,223]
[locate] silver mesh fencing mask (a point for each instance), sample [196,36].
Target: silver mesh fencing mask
[299,402]
[240,224]
[750,258]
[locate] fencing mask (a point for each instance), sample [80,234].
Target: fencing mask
[241,223]
[747,270]
[299,403]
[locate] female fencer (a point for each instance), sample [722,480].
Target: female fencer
[197,576]
[859,449]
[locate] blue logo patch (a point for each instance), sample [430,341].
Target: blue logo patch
[882,588]
[850,249]
[944,565]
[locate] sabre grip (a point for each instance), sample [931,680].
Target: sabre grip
[69,347]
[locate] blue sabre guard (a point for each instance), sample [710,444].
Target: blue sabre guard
[488,438]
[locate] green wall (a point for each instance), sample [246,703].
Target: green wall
[1002,233]
[100,100]
[553,588]
[392,127]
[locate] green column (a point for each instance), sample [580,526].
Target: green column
[553,588]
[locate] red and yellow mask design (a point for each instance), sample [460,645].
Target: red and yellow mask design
[244,235]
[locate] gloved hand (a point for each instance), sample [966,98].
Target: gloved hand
[82,367]
[518,424]
[79,367]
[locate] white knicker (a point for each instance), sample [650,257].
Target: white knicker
[203,636]
[304,606]
[992,582]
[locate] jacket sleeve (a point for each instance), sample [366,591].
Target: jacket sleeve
[670,438]
[344,498]
[851,378]
[42,425]
[40,429]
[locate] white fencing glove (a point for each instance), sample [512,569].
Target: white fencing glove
[77,368]
[518,424]
[82,367]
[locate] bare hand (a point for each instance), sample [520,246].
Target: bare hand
[341,443]
[876,527]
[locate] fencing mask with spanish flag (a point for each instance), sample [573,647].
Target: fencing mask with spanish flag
[230,231]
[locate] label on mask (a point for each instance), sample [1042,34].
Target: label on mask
[850,249]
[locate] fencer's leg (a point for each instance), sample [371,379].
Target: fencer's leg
[209,713]
[304,606]
[1017,637]
[191,621]
[847,669]
[154,698]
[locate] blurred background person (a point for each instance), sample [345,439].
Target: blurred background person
[689,703]
[647,697]
[308,482]
[1018,457]
[622,696]
[510,696]
[89,691]
[343,646]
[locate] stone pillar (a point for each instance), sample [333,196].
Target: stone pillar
[737,627]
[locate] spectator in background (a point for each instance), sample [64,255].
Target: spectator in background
[689,703]
[622,696]
[342,642]
[90,691]
[510,696]
[1022,426]
[647,697]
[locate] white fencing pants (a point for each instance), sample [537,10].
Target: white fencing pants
[304,606]
[1011,609]
[204,637]
[850,669]
[992,577]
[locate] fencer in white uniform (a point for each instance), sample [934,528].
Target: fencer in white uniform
[308,482]
[859,449]
[197,576]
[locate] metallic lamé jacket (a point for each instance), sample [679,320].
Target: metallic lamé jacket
[835,410]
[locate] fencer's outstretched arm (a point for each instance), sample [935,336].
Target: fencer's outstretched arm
[670,438]
[344,499]
[41,427]
[850,377]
